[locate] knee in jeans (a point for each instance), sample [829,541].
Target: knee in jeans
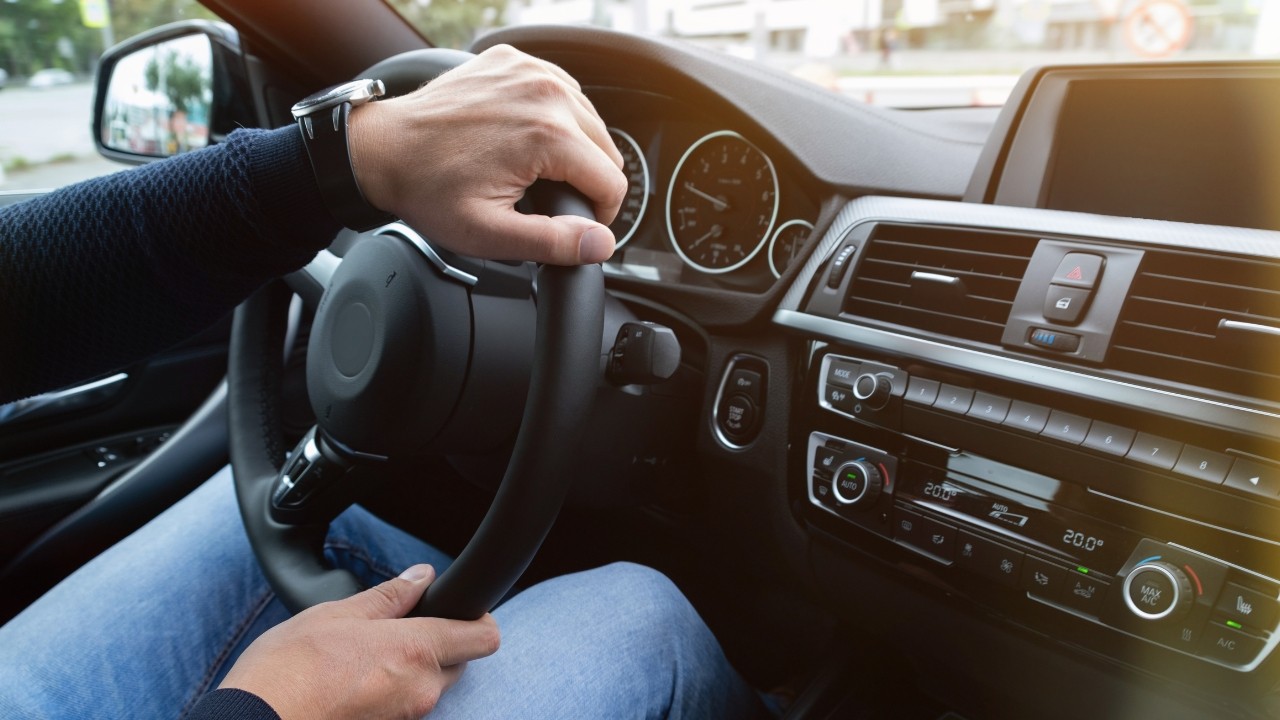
[651,601]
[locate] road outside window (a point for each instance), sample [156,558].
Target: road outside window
[49,51]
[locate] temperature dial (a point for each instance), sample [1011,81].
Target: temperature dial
[857,482]
[1156,590]
[873,390]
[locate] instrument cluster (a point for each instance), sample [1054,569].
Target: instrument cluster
[707,202]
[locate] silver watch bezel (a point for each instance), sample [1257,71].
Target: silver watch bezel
[356,92]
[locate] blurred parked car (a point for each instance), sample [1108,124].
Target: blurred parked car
[50,77]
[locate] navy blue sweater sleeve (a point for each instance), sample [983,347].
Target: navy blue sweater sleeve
[232,704]
[103,273]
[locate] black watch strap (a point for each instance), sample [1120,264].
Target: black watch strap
[325,136]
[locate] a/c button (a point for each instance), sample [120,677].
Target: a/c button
[1229,645]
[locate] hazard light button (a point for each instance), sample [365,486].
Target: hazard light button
[1078,270]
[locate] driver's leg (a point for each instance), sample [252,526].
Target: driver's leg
[619,641]
[144,629]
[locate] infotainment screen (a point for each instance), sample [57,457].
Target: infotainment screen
[1198,148]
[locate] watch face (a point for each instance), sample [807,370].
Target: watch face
[356,92]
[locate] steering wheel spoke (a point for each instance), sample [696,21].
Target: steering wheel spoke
[314,278]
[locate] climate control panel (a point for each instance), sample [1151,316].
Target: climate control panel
[1004,540]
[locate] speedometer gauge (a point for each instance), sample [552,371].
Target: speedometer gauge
[637,199]
[722,202]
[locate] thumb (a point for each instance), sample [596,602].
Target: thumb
[393,598]
[562,240]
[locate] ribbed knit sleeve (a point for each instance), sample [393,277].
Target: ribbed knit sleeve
[103,273]
[232,704]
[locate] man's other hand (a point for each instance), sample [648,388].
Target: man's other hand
[360,657]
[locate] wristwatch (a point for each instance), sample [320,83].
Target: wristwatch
[322,118]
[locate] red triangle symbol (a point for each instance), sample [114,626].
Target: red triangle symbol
[1076,274]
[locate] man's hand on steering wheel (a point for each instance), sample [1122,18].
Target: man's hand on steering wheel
[453,158]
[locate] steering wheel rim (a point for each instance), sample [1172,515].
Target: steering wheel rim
[570,313]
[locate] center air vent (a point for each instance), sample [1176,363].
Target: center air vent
[1203,320]
[950,282]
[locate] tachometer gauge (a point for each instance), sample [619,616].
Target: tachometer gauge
[722,202]
[787,241]
[637,199]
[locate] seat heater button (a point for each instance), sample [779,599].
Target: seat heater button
[825,461]
[1248,607]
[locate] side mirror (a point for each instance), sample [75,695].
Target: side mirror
[176,88]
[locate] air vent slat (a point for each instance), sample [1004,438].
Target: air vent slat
[1169,328]
[903,275]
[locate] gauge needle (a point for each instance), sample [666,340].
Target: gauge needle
[713,232]
[720,204]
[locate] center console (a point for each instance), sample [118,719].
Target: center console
[989,411]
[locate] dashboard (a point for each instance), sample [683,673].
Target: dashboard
[1002,388]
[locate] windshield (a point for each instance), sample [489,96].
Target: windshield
[903,53]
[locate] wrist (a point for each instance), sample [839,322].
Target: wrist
[369,141]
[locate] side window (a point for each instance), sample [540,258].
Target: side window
[49,52]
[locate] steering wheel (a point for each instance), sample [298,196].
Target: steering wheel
[408,347]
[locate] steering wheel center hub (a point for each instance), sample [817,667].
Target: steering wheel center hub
[389,350]
[353,339]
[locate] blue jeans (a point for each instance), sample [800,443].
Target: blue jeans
[152,624]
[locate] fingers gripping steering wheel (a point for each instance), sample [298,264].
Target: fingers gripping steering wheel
[389,349]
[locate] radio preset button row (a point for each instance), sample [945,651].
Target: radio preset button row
[1187,461]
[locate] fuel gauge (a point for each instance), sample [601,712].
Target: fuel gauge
[786,244]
